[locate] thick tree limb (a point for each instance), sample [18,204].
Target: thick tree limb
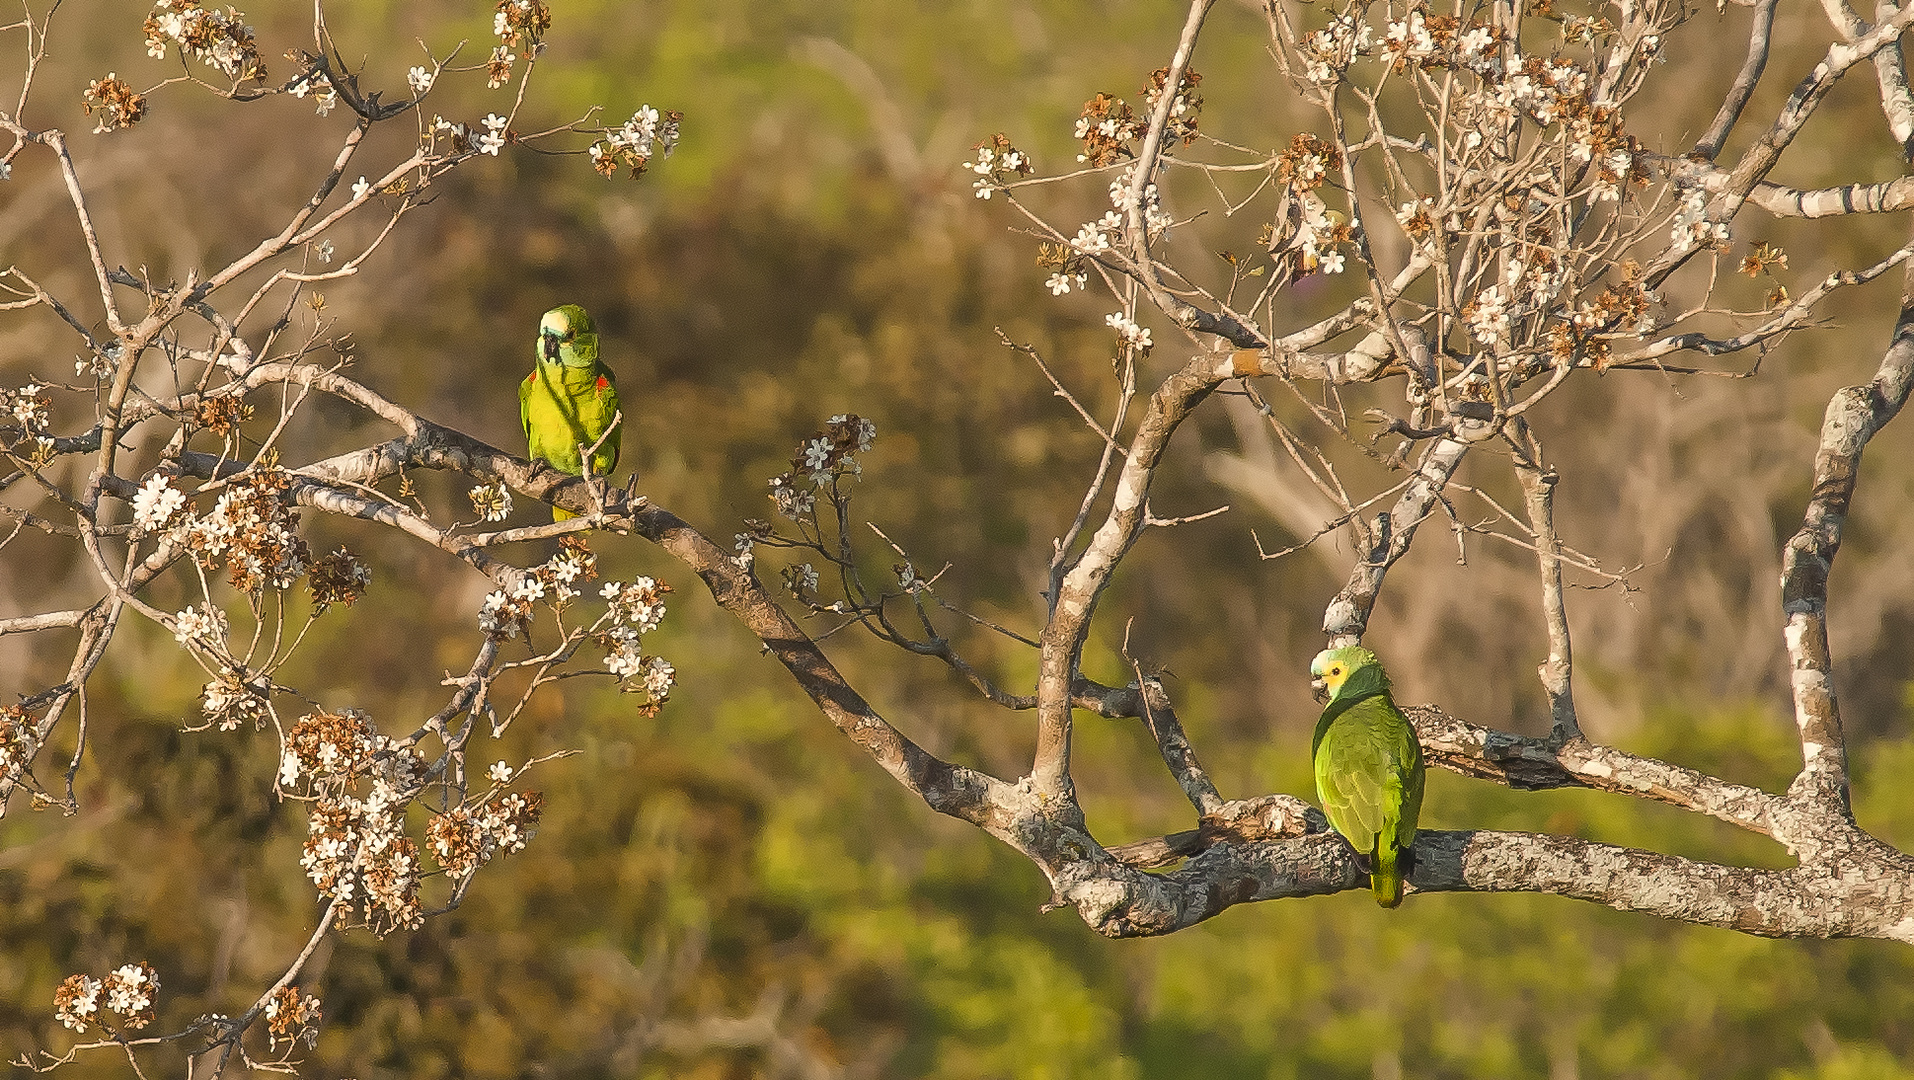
[1853,415]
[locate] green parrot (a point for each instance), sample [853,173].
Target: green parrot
[1368,767]
[569,399]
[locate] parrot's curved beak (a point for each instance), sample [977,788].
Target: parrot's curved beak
[1320,690]
[548,345]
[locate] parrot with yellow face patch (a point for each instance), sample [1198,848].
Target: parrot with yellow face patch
[570,399]
[1368,767]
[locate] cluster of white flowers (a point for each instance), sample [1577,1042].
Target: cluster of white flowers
[793,502]
[624,657]
[1411,39]
[1691,225]
[634,143]
[1135,336]
[997,163]
[639,602]
[204,624]
[991,161]
[1475,50]
[128,990]
[742,543]
[1107,232]
[660,677]
[330,746]
[464,838]
[1098,236]
[28,407]
[324,97]
[504,614]
[1060,283]
[563,571]
[494,137]
[77,1000]
[647,129]
[255,532]
[1538,282]
[1327,52]
[636,609]
[356,850]
[229,701]
[218,39]
[1488,315]
[157,504]
[1542,95]
[491,502]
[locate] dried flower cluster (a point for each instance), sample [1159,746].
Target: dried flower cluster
[634,609]
[115,101]
[340,577]
[633,144]
[997,163]
[518,24]
[128,991]
[253,531]
[1108,125]
[17,743]
[292,1018]
[356,850]
[467,838]
[218,40]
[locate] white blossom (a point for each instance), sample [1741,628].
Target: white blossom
[157,503]
[204,624]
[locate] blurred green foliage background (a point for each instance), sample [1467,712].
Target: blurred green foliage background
[813,248]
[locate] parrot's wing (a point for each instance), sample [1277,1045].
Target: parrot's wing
[1409,758]
[525,403]
[1350,768]
[608,390]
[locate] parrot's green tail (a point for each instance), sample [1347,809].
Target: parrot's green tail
[1386,880]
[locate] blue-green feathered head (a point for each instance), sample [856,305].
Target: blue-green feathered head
[566,335]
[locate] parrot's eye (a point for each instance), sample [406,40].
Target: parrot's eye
[1335,671]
